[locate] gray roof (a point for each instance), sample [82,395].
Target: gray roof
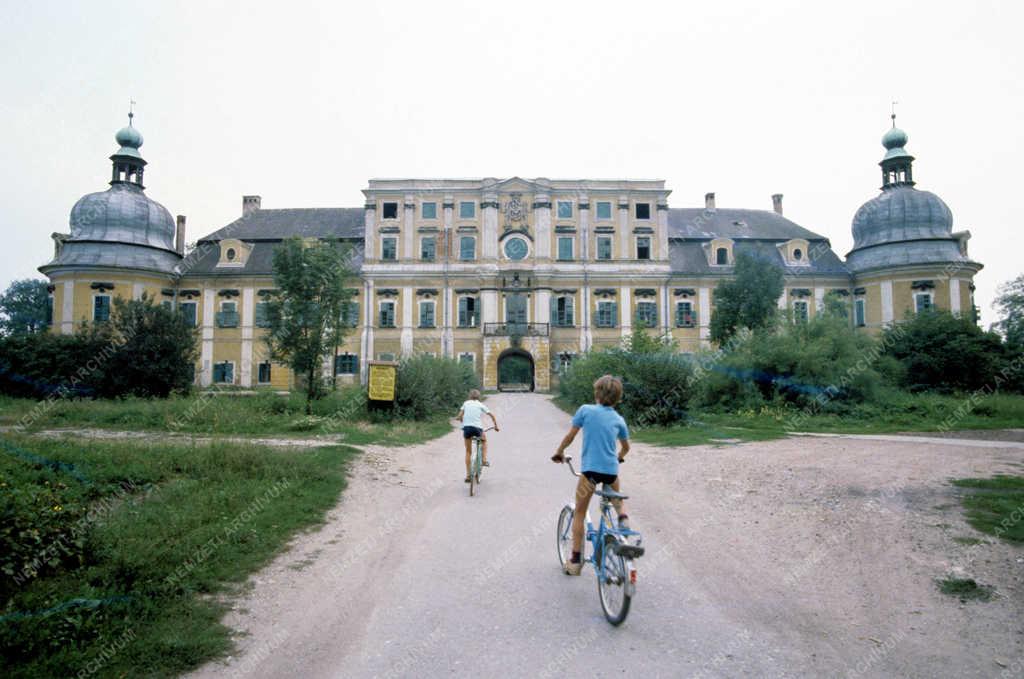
[901,213]
[113,255]
[203,260]
[321,222]
[734,223]
[122,214]
[691,258]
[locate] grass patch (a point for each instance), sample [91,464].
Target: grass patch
[341,413]
[995,506]
[969,541]
[171,527]
[965,589]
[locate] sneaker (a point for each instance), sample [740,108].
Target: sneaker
[573,568]
[487,463]
[467,479]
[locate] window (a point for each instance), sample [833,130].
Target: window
[607,312]
[350,313]
[101,308]
[922,301]
[428,248]
[230,254]
[604,247]
[685,318]
[263,373]
[468,357]
[858,313]
[565,209]
[800,311]
[562,312]
[188,312]
[468,312]
[385,356]
[346,364]
[387,314]
[49,311]
[389,211]
[798,255]
[604,209]
[224,372]
[261,319]
[467,209]
[565,247]
[722,256]
[642,210]
[426,314]
[389,249]
[647,314]
[516,248]
[227,317]
[467,247]
[428,210]
[643,247]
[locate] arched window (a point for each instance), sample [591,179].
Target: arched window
[722,256]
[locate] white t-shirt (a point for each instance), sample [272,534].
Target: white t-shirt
[472,414]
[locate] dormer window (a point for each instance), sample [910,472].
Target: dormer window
[794,252]
[719,252]
[233,253]
[230,254]
[798,254]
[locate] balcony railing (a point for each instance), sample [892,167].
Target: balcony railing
[517,329]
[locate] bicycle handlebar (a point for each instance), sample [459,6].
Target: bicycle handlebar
[568,461]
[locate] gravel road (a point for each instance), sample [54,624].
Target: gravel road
[794,558]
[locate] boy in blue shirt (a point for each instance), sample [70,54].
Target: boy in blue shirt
[602,427]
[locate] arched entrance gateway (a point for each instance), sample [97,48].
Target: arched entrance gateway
[515,370]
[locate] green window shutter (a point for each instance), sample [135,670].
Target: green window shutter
[463,312]
[554,311]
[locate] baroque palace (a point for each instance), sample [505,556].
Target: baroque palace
[513,276]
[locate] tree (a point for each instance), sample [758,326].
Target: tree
[305,315]
[748,300]
[1010,303]
[25,307]
[156,351]
[944,352]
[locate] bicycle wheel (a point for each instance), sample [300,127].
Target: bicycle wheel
[611,584]
[472,475]
[564,536]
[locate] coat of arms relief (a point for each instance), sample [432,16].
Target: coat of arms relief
[516,212]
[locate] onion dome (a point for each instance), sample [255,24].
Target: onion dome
[902,225]
[120,227]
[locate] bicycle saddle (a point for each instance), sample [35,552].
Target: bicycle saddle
[610,494]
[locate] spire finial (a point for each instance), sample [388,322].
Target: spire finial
[131,111]
[893,116]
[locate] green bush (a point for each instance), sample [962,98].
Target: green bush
[144,350]
[942,352]
[822,365]
[656,383]
[428,386]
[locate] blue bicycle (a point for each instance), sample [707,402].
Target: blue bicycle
[611,553]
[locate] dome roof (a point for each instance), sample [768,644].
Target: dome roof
[894,137]
[122,214]
[129,139]
[901,213]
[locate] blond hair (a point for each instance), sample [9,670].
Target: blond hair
[608,390]
[474,394]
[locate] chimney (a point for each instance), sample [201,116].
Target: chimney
[777,202]
[179,239]
[250,204]
[709,201]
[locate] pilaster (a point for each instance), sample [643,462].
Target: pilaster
[489,237]
[247,323]
[626,310]
[542,223]
[887,310]
[704,319]
[67,309]
[625,251]
[954,296]
[406,333]
[408,228]
[206,350]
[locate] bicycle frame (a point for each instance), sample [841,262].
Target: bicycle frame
[597,537]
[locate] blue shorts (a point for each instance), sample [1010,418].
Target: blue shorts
[471,432]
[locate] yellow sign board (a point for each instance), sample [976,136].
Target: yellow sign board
[383,375]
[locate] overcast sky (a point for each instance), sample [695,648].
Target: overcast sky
[302,103]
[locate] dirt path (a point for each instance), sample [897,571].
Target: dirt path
[799,557]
